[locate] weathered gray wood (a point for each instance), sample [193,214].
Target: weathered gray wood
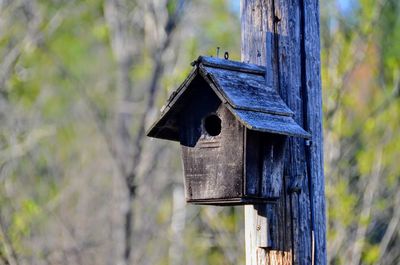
[256,239]
[253,156]
[288,50]
[314,120]
[167,125]
[251,121]
[273,155]
[264,164]
[215,169]
[289,31]
[256,105]
[245,91]
[254,30]
[264,122]
[213,166]
[231,65]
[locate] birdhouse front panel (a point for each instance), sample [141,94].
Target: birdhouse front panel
[232,128]
[212,147]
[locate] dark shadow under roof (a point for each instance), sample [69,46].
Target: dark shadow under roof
[242,88]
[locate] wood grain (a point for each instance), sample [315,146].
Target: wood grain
[213,165]
[244,91]
[284,36]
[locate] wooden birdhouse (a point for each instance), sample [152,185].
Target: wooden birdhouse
[232,128]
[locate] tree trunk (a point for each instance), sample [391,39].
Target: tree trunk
[284,36]
[178,218]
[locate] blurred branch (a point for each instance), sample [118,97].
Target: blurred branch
[178,218]
[152,162]
[31,36]
[91,105]
[3,258]
[11,254]
[351,141]
[366,208]
[131,153]
[390,230]
[96,115]
[17,150]
[393,256]
[221,233]
[361,44]
[8,64]
[170,26]
[384,105]
[117,17]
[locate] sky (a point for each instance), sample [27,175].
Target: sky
[235,6]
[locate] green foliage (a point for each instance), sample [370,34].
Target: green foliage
[62,91]
[360,65]
[57,175]
[371,254]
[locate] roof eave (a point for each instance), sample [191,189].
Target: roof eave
[174,97]
[296,131]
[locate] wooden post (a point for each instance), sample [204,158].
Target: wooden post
[284,36]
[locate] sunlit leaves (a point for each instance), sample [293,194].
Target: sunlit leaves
[360,67]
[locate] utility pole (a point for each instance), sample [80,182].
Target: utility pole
[284,36]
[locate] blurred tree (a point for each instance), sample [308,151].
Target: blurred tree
[75,165]
[361,81]
[81,80]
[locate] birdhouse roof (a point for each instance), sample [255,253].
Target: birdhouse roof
[242,88]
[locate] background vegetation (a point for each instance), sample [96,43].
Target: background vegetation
[80,81]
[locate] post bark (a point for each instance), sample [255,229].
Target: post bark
[284,36]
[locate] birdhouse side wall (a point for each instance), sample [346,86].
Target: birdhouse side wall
[264,164]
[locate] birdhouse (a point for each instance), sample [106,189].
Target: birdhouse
[232,128]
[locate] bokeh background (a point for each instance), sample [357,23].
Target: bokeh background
[80,81]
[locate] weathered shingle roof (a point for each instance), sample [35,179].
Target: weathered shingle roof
[242,88]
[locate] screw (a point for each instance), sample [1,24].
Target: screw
[258,227]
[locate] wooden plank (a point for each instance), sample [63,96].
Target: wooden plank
[288,40]
[252,163]
[257,239]
[314,118]
[264,164]
[272,165]
[256,22]
[294,63]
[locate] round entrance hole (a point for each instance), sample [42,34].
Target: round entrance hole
[212,125]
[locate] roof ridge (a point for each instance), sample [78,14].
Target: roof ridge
[230,65]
